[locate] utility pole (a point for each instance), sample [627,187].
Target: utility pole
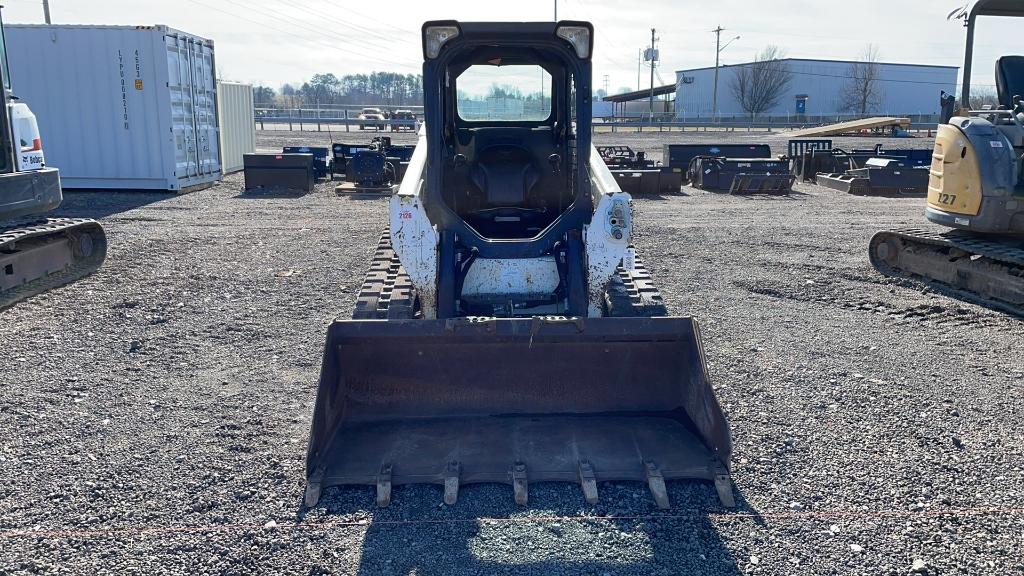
[556,10]
[605,84]
[653,58]
[46,10]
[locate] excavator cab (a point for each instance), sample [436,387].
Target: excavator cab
[976,175]
[1009,79]
[504,331]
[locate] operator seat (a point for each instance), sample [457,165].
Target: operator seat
[506,175]
[1009,79]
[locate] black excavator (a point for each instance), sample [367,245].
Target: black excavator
[36,253]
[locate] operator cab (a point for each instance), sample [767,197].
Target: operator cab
[1010,88]
[509,139]
[509,146]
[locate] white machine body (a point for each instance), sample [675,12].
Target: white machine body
[607,242]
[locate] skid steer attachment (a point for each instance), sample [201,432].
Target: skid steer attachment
[468,400]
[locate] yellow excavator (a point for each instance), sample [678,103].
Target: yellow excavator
[976,187]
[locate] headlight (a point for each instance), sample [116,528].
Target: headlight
[578,36]
[434,37]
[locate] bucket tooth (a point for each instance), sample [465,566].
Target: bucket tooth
[656,482]
[588,481]
[384,486]
[451,483]
[723,484]
[519,485]
[313,486]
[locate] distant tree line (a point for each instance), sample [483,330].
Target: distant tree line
[381,88]
[384,88]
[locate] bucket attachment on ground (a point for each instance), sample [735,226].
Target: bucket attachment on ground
[678,157]
[516,401]
[649,182]
[741,175]
[879,177]
[762,184]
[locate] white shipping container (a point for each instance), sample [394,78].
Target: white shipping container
[236,113]
[128,107]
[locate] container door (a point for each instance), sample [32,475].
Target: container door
[183,124]
[204,107]
[193,108]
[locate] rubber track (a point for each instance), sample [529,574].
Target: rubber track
[1007,254]
[11,233]
[387,292]
[632,293]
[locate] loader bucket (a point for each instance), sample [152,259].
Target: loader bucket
[459,401]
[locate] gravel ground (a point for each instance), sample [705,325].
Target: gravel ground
[155,415]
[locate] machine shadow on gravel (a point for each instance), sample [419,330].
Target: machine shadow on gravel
[485,532]
[789,196]
[265,193]
[98,204]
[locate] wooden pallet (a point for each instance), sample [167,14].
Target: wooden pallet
[353,188]
[852,126]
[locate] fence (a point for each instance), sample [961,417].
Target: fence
[346,118]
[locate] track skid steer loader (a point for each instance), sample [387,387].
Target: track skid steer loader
[507,332]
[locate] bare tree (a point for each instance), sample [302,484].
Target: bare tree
[861,93]
[760,85]
[982,96]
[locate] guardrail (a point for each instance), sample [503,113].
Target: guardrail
[620,125]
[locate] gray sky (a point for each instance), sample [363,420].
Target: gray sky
[277,41]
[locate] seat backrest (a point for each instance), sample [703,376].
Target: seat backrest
[1009,79]
[506,175]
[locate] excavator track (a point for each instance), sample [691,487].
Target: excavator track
[388,293]
[985,270]
[39,255]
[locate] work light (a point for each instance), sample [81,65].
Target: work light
[434,37]
[578,36]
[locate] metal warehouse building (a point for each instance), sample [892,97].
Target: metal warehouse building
[903,89]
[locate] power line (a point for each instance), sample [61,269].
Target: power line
[600,34]
[333,46]
[302,25]
[372,19]
[279,14]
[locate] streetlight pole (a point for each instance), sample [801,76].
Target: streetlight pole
[718,52]
[46,10]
